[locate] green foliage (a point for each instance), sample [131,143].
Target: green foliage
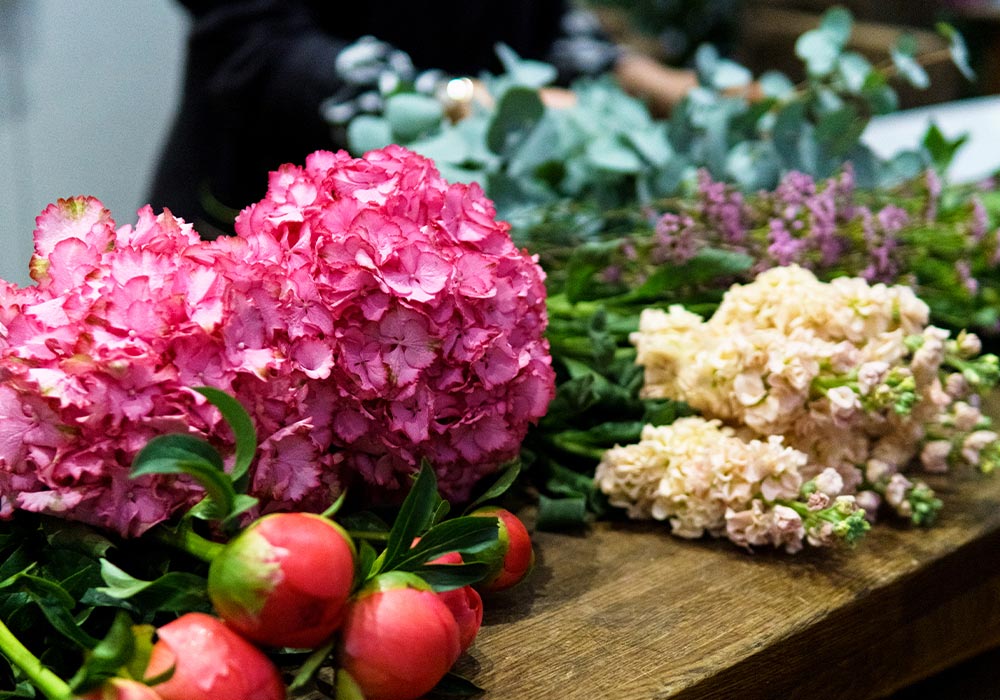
[608,151]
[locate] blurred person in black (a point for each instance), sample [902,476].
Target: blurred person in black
[257,72]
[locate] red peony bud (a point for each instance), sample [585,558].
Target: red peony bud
[123,689]
[399,638]
[467,608]
[211,662]
[465,604]
[284,580]
[512,552]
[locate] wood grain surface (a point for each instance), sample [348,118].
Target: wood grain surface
[625,611]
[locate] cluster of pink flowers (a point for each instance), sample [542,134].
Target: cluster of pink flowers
[368,315]
[846,375]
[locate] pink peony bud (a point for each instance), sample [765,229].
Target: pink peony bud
[123,689]
[211,662]
[512,552]
[465,604]
[399,638]
[284,580]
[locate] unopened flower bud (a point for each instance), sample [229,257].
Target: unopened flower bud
[211,662]
[512,553]
[284,581]
[399,638]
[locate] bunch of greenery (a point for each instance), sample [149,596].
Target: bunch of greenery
[608,150]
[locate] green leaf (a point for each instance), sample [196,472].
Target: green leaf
[839,131]
[446,147]
[57,606]
[941,149]
[854,69]
[518,111]
[836,24]
[561,513]
[707,265]
[447,577]
[532,74]
[411,114]
[24,689]
[819,52]
[776,84]
[113,652]
[507,477]
[959,51]
[311,665]
[465,535]
[414,517]
[185,454]
[243,431]
[368,133]
[904,58]
[174,591]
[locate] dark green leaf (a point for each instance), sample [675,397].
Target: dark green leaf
[518,111]
[414,517]
[311,665]
[174,591]
[507,477]
[113,652]
[186,454]
[57,606]
[941,149]
[465,535]
[243,431]
[561,513]
[446,577]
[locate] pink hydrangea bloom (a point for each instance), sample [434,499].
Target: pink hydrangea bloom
[368,315]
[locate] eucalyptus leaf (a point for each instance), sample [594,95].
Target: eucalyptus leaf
[776,84]
[527,73]
[516,114]
[957,48]
[836,24]
[367,132]
[904,58]
[819,51]
[411,114]
[854,69]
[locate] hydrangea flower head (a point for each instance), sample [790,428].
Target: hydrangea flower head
[368,315]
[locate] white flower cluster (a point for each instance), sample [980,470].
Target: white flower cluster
[845,375]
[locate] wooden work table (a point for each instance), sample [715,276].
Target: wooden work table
[627,612]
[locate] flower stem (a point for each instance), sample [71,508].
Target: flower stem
[54,687]
[186,539]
